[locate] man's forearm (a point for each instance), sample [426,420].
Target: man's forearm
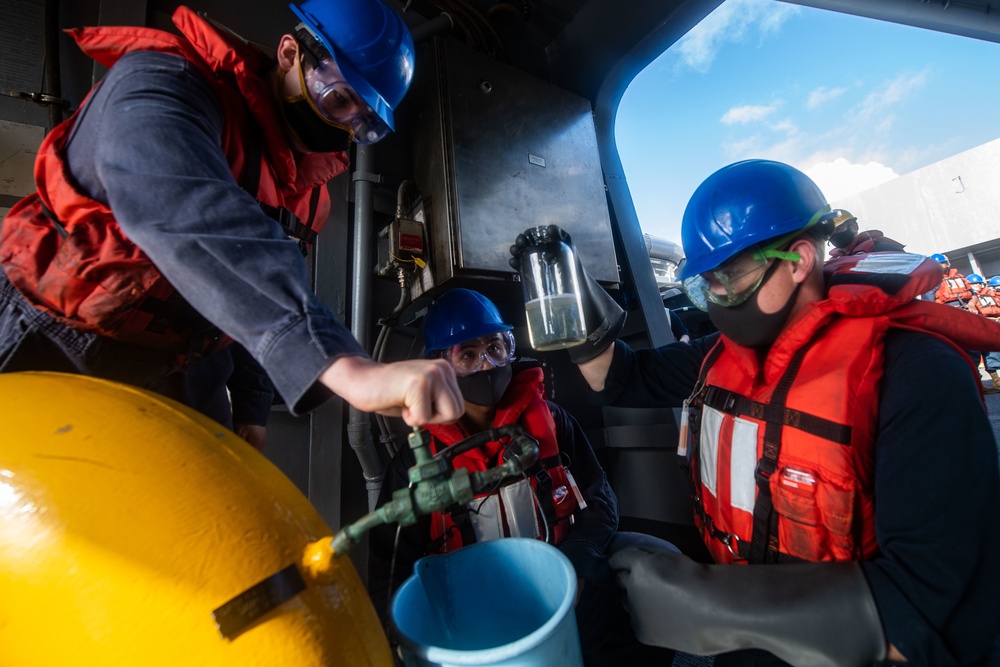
[595,371]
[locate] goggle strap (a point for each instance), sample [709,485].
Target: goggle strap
[309,45]
[312,104]
[782,254]
[771,249]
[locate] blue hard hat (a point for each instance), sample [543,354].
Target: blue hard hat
[940,259]
[459,315]
[746,204]
[995,281]
[371,45]
[975,278]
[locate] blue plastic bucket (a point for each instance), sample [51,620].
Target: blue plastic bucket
[504,602]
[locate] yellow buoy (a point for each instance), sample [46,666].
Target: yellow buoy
[126,519]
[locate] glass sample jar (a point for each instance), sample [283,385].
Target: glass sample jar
[551,292]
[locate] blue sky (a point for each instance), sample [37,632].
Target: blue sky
[853,102]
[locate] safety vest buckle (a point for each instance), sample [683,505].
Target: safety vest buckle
[764,469]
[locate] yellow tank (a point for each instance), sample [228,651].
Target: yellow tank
[126,519]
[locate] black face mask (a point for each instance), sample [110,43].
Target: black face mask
[746,325]
[315,134]
[842,239]
[485,387]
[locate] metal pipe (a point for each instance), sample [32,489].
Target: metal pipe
[358,425]
[364,235]
[440,23]
[663,249]
[53,77]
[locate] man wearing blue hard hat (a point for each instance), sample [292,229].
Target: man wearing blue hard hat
[814,444]
[954,289]
[174,207]
[565,499]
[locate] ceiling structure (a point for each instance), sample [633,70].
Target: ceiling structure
[587,42]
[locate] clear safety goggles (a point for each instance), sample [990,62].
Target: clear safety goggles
[735,281]
[337,102]
[467,358]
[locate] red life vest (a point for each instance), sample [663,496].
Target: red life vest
[521,404]
[784,462]
[864,243]
[66,253]
[953,286]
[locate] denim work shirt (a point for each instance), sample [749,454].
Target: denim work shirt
[148,144]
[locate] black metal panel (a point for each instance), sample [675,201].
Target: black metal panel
[498,151]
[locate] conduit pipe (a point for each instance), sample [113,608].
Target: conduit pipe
[53,77]
[440,23]
[359,434]
[358,425]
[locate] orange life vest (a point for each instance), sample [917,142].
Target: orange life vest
[953,286]
[784,457]
[988,303]
[551,482]
[66,253]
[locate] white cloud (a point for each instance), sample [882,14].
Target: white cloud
[781,140]
[744,148]
[747,113]
[822,95]
[840,178]
[876,104]
[730,23]
[786,125]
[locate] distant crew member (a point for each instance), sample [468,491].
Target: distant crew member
[977,284]
[986,302]
[954,289]
[847,241]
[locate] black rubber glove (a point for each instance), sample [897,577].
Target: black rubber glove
[807,614]
[602,314]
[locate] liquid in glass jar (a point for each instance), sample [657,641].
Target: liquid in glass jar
[554,322]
